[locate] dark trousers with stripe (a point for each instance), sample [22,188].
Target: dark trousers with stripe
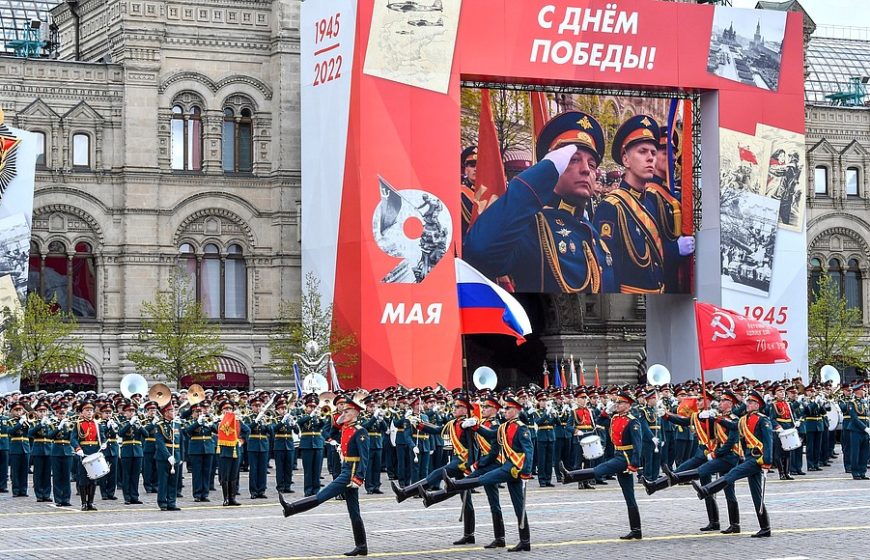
[312,459]
[167,483]
[200,473]
[4,470]
[61,467]
[42,476]
[109,483]
[373,473]
[544,455]
[18,466]
[132,468]
[285,461]
[149,473]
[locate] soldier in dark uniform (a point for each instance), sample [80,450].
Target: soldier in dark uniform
[756,434]
[546,440]
[4,448]
[85,439]
[132,434]
[258,451]
[231,432]
[167,454]
[285,430]
[513,466]
[19,450]
[859,432]
[625,224]
[537,232]
[404,445]
[815,427]
[563,428]
[666,209]
[200,452]
[627,441]
[781,418]
[468,165]
[354,454]
[61,459]
[375,425]
[311,446]
[149,466]
[40,453]
[584,425]
[109,435]
[422,443]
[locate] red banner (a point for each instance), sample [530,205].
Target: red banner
[727,338]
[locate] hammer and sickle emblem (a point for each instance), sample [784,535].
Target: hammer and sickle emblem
[723,325]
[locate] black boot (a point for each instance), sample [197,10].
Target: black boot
[457,486]
[705,492]
[763,524]
[660,483]
[784,466]
[432,497]
[403,494]
[233,492]
[84,496]
[359,539]
[224,491]
[681,477]
[634,525]
[733,519]
[92,489]
[712,515]
[498,531]
[578,475]
[525,544]
[298,506]
[466,539]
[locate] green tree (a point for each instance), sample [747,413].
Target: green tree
[511,112]
[177,336]
[309,320]
[834,329]
[38,339]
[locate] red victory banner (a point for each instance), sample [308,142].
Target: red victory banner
[727,338]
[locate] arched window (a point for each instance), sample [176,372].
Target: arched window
[40,149]
[853,285]
[852,181]
[186,138]
[220,280]
[81,150]
[835,271]
[237,145]
[69,279]
[815,278]
[821,181]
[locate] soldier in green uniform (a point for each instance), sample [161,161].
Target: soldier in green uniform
[109,435]
[4,448]
[374,423]
[311,446]
[19,450]
[814,425]
[859,432]
[40,453]
[149,465]
[285,430]
[258,451]
[167,454]
[132,434]
[61,458]
[200,452]
[544,452]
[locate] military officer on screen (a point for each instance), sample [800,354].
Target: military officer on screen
[627,228]
[537,232]
[467,190]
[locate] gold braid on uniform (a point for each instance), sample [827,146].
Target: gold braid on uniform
[548,246]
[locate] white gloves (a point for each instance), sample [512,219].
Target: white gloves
[710,457]
[353,484]
[80,453]
[867,430]
[172,460]
[469,422]
[562,157]
[686,245]
[655,440]
[704,414]
[797,423]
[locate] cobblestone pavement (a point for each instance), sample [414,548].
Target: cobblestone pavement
[826,515]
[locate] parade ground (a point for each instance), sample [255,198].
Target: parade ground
[819,516]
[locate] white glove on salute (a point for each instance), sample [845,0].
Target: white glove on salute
[469,422]
[562,157]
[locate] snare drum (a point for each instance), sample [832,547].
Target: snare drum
[790,439]
[95,466]
[592,447]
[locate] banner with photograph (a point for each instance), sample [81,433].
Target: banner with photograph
[382,221]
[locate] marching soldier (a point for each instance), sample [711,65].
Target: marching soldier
[781,417]
[167,454]
[40,453]
[109,435]
[354,454]
[627,441]
[546,440]
[540,219]
[284,431]
[652,437]
[756,434]
[584,425]
[85,439]
[19,450]
[814,423]
[375,426]
[422,445]
[132,434]
[513,466]
[627,228]
[200,452]
[311,446]
[61,459]
[149,466]
[563,427]
[404,445]
[231,434]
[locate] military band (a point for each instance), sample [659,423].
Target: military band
[488,439]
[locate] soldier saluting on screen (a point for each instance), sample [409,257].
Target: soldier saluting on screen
[627,227]
[537,233]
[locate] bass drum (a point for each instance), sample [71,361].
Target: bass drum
[835,417]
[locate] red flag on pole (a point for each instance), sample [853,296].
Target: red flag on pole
[540,111]
[582,375]
[727,338]
[747,155]
[491,182]
[597,381]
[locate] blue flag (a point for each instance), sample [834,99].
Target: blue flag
[298,380]
[558,374]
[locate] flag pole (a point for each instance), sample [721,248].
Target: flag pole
[700,351]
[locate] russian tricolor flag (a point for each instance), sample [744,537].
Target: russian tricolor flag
[485,308]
